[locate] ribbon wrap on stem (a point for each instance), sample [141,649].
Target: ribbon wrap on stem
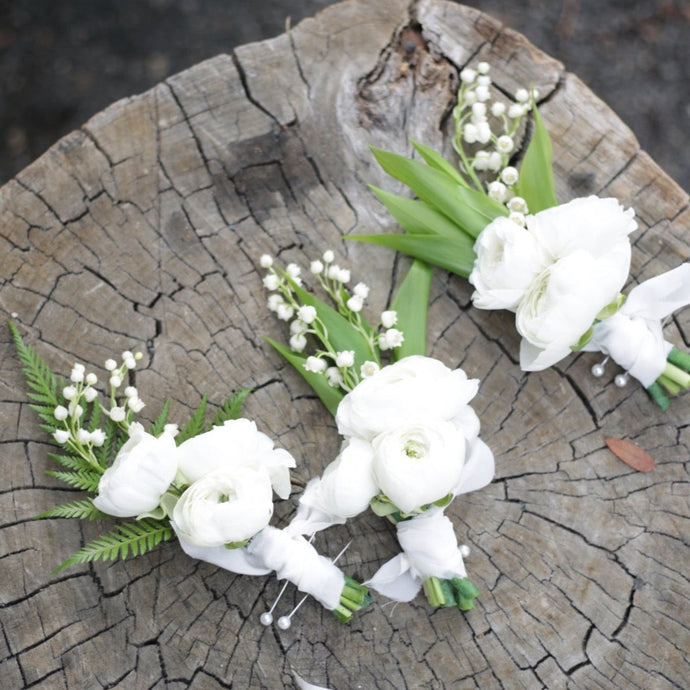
[290,555]
[633,336]
[430,548]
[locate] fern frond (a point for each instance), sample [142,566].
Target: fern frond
[86,480]
[196,425]
[71,462]
[46,415]
[135,538]
[232,407]
[39,378]
[114,439]
[95,418]
[162,419]
[81,510]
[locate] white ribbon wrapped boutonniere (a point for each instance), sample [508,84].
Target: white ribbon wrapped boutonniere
[410,437]
[560,268]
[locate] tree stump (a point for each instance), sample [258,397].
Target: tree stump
[143,230]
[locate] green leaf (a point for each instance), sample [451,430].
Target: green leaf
[411,303]
[81,510]
[456,257]
[610,309]
[196,425]
[382,506]
[438,162]
[231,408]
[535,184]
[72,462]
[329,395]
[470,210]
[341,333]
[416,216]
[135,538]
[86,480]
[584,339]
[39,378]
[160,421]
[115,438]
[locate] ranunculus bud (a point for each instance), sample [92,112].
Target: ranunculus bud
[225,506]
[238,443]
[142,472]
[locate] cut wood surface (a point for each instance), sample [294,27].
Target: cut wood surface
[143,230]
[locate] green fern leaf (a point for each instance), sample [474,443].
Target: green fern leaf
[81,510]
[161,420]
[39,378]
[95,419]
[196,425]
[135,538]
[71,462]
[86,480]
[231,408]
[114,439]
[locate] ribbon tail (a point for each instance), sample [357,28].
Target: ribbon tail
[660,296]
[395,580]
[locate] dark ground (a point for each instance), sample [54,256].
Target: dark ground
[62,61]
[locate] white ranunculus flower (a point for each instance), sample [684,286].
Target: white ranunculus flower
[238,443]
[417,464]
[225,506]
[412,390]
[508,260]
[597,226]
[562,303]
[347,484]
[141,473]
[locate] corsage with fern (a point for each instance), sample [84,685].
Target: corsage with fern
[209,486]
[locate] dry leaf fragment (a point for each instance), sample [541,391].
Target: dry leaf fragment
[631,454]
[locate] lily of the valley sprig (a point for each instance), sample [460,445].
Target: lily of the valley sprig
[209,485]
[410,438]
[560,268]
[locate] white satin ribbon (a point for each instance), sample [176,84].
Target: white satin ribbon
[430,548]
[290,555]
[311,516]
[633,336]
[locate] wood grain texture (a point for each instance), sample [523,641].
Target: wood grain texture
[143,230]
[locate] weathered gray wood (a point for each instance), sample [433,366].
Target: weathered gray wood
[143,230]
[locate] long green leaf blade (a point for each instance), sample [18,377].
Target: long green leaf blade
[443,252]
[328,395]
[416,216]
[470,210]
[411,303]
[536,185]
[341,333]
[435,160]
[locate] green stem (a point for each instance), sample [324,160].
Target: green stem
[354,597]
[680,359]
[658,396]
[677,375]
[671,386]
